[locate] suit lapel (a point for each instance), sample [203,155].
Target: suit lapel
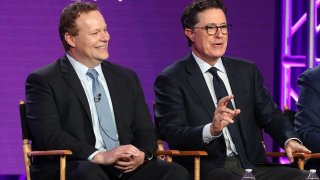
[72,78]
[199,85]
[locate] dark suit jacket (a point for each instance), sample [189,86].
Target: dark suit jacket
[59,116]
[307,121]
[185,106]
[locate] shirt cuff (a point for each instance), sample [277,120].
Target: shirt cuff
[90,158]
[292,139]
[207,136]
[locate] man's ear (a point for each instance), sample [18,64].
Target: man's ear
[70,39]
[189,33]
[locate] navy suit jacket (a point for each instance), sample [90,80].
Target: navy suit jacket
[59,116]
[307,121]
[184,106]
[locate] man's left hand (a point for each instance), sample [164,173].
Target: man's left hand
[293,146]
[130,164]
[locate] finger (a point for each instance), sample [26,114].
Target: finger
[221,121]
[227,120]
[123,168]
[120,167]
[306,150]
[289,154]
[225,112]
[297,147]
[224,101]
[303,149]
[223,109]
[124,163]
[130,170]
[238,111]
[121,155]
[134,151]
[128,149]
[224,124]
[126,159]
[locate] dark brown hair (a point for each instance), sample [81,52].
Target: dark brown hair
[68,19]
[190,15]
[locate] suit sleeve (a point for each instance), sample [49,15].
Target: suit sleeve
[143,130]
[269,115]
[45,122]
[307,121]
[171,116]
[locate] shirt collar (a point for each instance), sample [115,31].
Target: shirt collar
[204,66]
[81,69]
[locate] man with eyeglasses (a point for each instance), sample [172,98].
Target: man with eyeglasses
[210,102]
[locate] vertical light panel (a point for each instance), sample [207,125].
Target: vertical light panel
[291,58]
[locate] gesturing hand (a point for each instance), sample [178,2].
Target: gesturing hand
[223,116]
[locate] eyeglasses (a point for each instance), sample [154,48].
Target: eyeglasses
[213,29]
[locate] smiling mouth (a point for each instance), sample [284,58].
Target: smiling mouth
[217,44]
[102,47]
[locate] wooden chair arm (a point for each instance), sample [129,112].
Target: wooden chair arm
[63,158]
[181,153]
[168,152]
[49,153]
[295,155]
[193,153]
[300,157]
[314,155]
[275,154]
[197,155]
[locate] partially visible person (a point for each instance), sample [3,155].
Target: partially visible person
[92,107]
[307,120]
[207,101]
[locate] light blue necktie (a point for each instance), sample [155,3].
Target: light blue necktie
[108,129]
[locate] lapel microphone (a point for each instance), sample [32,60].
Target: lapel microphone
[97,98]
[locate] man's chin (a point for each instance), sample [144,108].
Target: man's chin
[102,56]
[101,59]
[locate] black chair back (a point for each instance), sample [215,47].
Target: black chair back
[290,114]
[23,117]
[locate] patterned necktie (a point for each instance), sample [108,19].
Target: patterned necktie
[108,129]
[221,91]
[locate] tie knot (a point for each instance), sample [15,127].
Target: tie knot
[92,73]
[213,71]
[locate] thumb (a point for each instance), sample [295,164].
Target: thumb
[289,154]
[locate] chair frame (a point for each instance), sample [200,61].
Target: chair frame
[167,155]
[27,147]
[300,158]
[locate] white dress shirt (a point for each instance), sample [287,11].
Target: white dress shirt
[207,137]
[86,82]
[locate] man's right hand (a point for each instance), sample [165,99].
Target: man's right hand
[223,116]
[118,153]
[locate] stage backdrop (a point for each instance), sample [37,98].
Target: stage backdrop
[146,36]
